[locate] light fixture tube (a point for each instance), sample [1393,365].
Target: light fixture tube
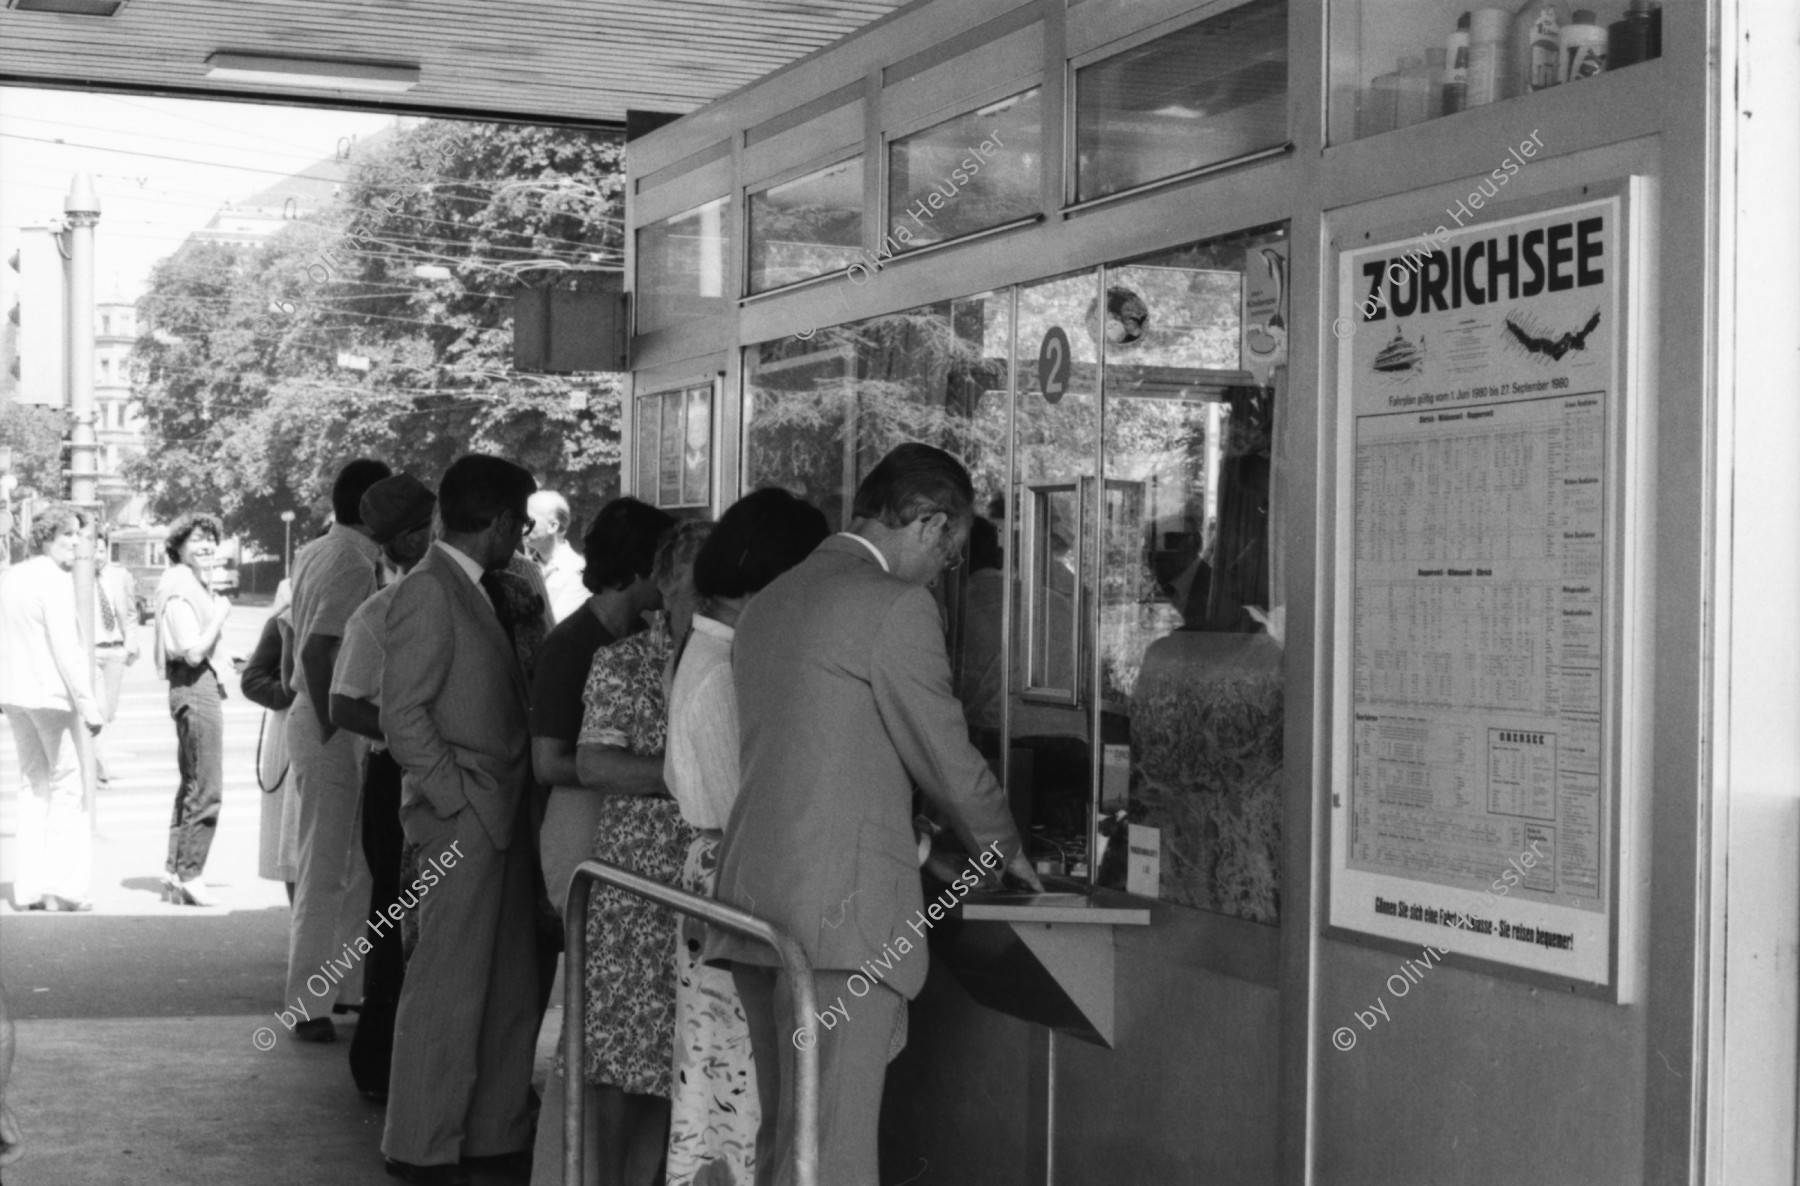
[323,73]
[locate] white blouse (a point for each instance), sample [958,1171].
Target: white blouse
[700,765]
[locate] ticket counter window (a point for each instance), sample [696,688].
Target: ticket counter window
[1199,96]
[967,174]
[681,267]
[806,227]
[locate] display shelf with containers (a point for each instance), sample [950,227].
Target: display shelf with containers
[1397,64]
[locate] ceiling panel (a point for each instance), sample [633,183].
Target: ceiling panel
[556,59]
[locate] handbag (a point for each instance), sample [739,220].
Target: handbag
[272,752]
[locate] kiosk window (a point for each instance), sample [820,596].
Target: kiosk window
[806,227]
[1203,94]
[674,447]
[681,268]
[966,174]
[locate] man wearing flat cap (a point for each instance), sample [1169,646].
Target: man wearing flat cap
[398,513]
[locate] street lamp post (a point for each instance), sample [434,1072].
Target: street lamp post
[287,544]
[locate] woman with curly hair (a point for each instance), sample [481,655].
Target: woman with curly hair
[631,943]
[47,692]
[190,619]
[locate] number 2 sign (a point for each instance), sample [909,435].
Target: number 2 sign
[1053,364]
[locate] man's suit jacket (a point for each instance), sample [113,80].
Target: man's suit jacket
[453,698]
[844,702]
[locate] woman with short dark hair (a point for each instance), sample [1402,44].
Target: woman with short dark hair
[47,693]
[190,619]
[715,1109]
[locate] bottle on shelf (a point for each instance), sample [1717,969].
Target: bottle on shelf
[1412,103]
[1535,48]
[1637,38]
[1434,81]
[1489,29]
[1381,106]
[1583,44]
[1456,68]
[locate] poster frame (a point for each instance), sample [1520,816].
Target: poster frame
[1626,561]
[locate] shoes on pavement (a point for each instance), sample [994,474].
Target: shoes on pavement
[516,1165]
[428,1175]
[319,1029]
[191,893]
[66,905]
[340,1009]
[42,903]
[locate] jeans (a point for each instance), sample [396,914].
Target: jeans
[194,702]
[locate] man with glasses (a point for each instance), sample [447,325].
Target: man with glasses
[453,710]
[844,702]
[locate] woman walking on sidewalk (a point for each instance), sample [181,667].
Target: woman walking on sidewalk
[190,618]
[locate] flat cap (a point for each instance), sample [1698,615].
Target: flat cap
[394,506]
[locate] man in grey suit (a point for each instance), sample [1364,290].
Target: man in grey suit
[453,711]
[844,704]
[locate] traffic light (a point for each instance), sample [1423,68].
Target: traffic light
[39,318]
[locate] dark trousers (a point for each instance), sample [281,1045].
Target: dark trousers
[194,697]
[384,969]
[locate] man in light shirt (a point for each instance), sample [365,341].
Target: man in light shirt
[560,564]
[397,511]
[332,576]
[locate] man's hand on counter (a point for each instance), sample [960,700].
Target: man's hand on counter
[1019,870]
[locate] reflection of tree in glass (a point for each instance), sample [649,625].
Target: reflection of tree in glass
[823,412]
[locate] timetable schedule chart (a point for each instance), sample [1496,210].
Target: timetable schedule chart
[1478,644]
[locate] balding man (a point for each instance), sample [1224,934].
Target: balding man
[560,564]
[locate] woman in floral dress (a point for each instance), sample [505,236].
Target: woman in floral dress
[715,1110]
[630,1020]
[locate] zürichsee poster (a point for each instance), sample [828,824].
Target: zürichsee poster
[1473,810]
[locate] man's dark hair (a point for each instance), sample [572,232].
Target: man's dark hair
[347,491]
[761,536]
[479,488]
[984,545]
[49,521]
[912,481]
[620,545]
[187,525]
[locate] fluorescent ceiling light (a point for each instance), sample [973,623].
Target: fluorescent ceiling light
[328,73]
[69,7]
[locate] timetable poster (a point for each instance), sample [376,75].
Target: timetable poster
[1473,811]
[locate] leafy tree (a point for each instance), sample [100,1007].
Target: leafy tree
[267,367]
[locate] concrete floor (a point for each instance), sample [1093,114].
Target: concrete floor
[138,1058]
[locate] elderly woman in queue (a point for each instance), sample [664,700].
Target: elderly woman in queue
[47,693]
[715,1109]
[631,943]
[190,621]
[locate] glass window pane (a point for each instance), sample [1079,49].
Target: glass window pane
[1398,64]
[806,227]
[966,174]
[696,480]
[1203,94]
[681,268]
[1191,603]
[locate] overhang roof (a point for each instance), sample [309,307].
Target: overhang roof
[587,60]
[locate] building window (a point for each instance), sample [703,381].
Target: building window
[681,267]
[106,323]
[966,174]
[1203,94]
[674,447]
[806,227]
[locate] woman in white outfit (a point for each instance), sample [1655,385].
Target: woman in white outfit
[714,1108]
[47,693]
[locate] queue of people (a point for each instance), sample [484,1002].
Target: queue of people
[742,708]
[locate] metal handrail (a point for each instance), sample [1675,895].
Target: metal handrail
[739,922]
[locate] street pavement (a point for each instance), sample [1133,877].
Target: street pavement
[144,1029]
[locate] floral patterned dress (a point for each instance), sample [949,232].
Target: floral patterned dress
[630,1018]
